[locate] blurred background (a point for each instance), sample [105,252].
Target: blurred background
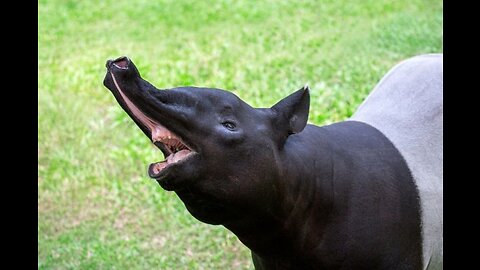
[97,208]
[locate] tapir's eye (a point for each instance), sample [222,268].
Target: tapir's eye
[229,125]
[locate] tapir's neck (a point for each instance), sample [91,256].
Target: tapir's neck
[304,192]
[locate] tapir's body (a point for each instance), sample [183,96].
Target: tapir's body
[365,193]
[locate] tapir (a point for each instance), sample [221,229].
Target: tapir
[363,193]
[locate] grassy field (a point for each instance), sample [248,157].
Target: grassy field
[97,208]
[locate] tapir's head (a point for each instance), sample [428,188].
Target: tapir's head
[221,155]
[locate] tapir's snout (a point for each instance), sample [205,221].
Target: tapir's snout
[120,71]
[122,67]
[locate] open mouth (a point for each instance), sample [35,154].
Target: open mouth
[176,151]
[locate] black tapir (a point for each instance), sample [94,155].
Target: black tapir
[365,193]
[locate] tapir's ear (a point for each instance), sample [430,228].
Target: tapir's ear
[291,113]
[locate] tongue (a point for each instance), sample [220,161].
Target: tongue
[173,158]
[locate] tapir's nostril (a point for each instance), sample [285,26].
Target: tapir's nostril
[121,62]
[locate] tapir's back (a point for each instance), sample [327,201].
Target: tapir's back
[407,107]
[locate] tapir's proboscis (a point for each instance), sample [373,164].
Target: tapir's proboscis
[364,193]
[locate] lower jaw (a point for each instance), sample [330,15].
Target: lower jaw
[159,170]
[164,178]
[152,169]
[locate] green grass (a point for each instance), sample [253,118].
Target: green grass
[97,209]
